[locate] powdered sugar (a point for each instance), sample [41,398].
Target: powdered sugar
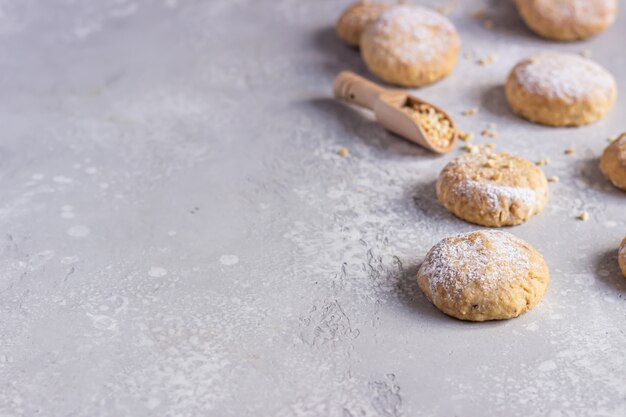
[500,195]
[565,76]
[414,33]
[487,256]
[583,11]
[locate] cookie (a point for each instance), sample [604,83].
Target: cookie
[559,89]
[410,46]
[355,18]
[613,162]
[621,257]
[567,20]
[492,189]
[483,275]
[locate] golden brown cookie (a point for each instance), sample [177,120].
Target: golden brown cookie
[483,275]
[410,46]
[492,188]
[613,162]
[621,257]
[355,18]
[567,20]
[559,89]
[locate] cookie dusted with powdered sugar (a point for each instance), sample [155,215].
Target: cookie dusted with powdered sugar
[483,275]
[613,162]
[410,46]
[355,18]
[492,188]
[567,20]
[559,89]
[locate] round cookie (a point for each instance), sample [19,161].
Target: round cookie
[613,162]
[410,46]
[567,20]
[621,257]
[355,18]
[492,188]
[483,275]
[559,89]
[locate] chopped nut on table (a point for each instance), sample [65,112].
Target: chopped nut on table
[466,136]
[488,60]
[489,133]
[470,112]
[434,123]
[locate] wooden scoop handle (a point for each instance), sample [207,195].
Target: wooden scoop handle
[357,90]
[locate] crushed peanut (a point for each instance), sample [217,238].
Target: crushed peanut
[435,124]
[343,152]
[488,24]
[489,133]
[466,136]
[569,151]
[543,162]
[584,216]
[553,178]
[478,148]
[488,60]
[470,112]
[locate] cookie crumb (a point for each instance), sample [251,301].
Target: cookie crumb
[583,216]
[570,151]
[343,152]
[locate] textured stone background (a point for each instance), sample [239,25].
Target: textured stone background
[180,237]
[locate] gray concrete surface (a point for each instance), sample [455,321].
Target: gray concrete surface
[180,237]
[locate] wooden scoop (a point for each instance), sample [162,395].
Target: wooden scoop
[388,108]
